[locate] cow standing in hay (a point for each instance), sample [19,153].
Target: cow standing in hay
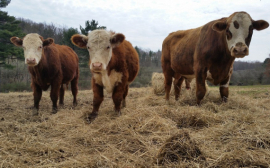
[114,64]
[49,65]
[207,53]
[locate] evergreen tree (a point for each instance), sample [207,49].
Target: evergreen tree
[4,3]
[90,27]
[67,36]
[9,27]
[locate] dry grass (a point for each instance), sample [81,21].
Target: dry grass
[148,134]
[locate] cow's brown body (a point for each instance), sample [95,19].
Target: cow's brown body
[58,66]
[124,60]
[114,64]
[200,53]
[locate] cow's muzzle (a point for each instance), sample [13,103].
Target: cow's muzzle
[240,50]
[97,66]
[31,61]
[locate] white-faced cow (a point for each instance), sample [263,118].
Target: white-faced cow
[114,64]
[49,65]
[207,53]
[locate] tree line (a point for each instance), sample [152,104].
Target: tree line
[14,75]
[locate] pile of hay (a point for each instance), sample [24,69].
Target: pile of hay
[178,148]
[159,86]
[158,83]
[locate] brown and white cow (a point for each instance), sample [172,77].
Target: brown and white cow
[49,65]
[114,64]
[207,53]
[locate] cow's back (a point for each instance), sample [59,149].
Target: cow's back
[178,50]
[69,62]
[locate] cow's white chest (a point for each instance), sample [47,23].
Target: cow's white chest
[109,82]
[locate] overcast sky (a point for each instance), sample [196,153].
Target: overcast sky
[146,23]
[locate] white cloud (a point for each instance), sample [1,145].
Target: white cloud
[146,23]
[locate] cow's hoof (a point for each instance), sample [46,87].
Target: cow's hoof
[74,104]
[35,112]
[224,99]
[198,105]
[118,112]
[54,110]
[91,117]
[123,104]
[167,102]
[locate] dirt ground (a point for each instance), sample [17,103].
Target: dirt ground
[149,133]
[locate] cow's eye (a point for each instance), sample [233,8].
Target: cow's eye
[88,47]
[108,47]
[40,47]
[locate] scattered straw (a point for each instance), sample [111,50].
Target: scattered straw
[149,133]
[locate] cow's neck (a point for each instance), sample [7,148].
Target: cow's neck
[39,71]
[108,79]
[224,57]
[229,59]
[42,63]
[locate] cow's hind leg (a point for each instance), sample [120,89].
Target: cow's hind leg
[178,80]
[188,81]
[168,74]
[124,96]
[74,90]
[37,97]
[62,94]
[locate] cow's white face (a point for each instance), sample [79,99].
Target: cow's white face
[99,43]
[237,34]
[100,50]
[32,45]
[239,29]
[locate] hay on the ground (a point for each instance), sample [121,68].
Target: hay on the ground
[177,148]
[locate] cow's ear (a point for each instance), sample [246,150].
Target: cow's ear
[117,39]
[219,26]
[48,42]
[260,24]
[16,41]
[79,40]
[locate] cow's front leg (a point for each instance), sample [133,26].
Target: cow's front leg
[55,89]
[224,90]
[117,97]
[200,85]
[97,100]
[37,96]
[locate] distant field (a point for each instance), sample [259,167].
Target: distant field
[149,133]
